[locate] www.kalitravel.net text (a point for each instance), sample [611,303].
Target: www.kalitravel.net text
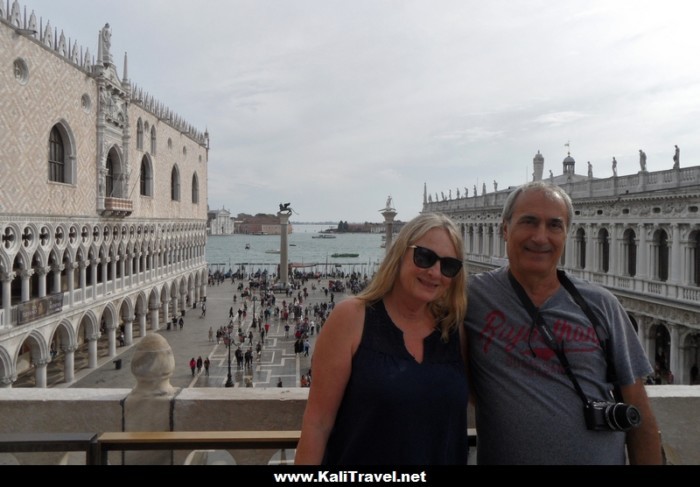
[350,476]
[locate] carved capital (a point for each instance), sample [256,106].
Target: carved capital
[7,276]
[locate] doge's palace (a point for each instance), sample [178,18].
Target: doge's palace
[103,203]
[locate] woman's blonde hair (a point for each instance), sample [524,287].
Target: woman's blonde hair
[450,308]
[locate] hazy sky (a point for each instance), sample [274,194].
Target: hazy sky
[335,105]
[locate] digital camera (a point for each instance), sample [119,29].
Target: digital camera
[611,416]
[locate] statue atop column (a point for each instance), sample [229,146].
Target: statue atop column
[642,160]
[677,158]
[614,166]
[285,208]
[106,41]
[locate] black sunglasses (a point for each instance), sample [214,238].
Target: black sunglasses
[426,258]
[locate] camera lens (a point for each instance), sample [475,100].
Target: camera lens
[622,417]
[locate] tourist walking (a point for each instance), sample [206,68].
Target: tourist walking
[239,357]
[199,364]
[193,365]
[211,334]
[206,366]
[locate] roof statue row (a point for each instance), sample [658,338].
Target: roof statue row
[569,164]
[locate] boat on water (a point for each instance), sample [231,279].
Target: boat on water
[323,235]
[272,251]
[247,246]
[345,255]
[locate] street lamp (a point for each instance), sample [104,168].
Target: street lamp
[254,320]
[228,342]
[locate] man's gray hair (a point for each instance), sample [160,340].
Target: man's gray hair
[551,190]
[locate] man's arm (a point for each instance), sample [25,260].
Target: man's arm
[643,442]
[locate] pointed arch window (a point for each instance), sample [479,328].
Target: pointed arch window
[57,157]
[175,184]
[109,178]
[146,178]
[153,141]
[195,189]
[139,134]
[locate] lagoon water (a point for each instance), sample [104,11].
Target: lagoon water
[226,252]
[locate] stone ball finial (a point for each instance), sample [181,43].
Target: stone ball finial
[153,364]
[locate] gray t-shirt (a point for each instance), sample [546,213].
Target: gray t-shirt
[527,410]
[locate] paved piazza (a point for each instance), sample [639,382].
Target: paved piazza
[277,360]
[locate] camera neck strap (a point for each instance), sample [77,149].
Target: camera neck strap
[546,334]
[599,329]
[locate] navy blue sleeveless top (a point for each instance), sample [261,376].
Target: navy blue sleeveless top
[396,411]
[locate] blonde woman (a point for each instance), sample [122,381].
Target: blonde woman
[389,385]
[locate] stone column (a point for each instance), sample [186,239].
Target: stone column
[41,273]
[166,309]
[675,270]
[105,264]
[40,372]
[488,241]
[69,363]
[112,339]
[114,264]
[70,277]
[614,268]
[570,251]
[122,268]
[26,275]
[389,214]
[674,352]
[155,315]
[175,302]
[83,279]
[92,350]
[284,247]
[128,330]
[642,253]
[93,273]
[137,266]
[57,269]
[7,278]
[643,333]
[183,300]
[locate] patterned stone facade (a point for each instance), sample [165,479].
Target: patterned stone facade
[102,202]
[638,235]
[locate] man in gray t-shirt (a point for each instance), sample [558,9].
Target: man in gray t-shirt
[527,408]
